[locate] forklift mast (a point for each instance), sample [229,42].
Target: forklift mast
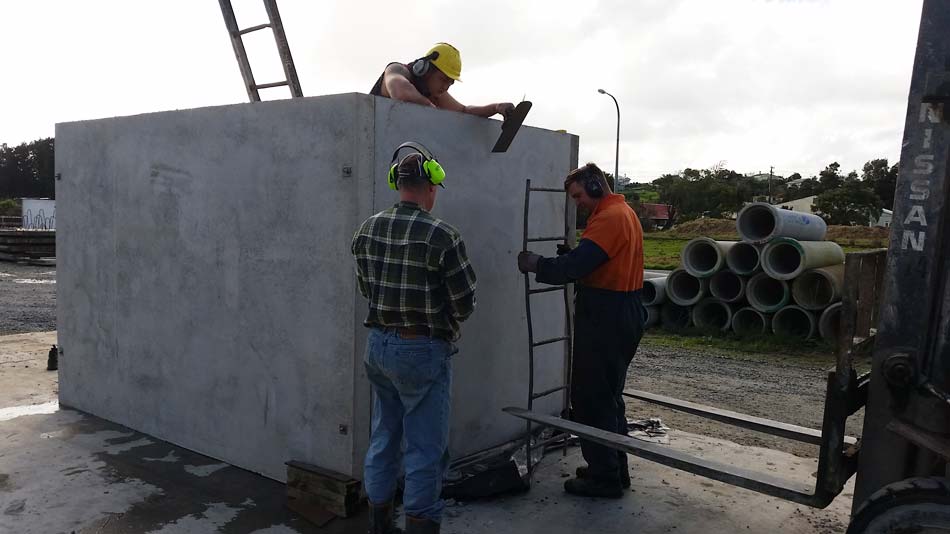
[907,417]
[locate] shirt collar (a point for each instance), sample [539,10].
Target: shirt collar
[409,205]
[612,198]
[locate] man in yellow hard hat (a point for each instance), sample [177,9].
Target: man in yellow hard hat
[426,81]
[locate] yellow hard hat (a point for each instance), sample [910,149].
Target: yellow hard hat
[447,59]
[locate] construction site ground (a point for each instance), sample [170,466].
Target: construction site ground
[65,471]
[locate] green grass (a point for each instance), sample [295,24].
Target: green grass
[662,253]
[769,348]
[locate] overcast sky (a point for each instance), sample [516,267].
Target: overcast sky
[751,83]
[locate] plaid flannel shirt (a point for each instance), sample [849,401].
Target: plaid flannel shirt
[413,269]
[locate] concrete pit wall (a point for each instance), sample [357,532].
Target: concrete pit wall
[206,288]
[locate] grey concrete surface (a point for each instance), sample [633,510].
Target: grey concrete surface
[206,290]
[62,471]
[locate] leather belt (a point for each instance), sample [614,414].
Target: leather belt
[411,332]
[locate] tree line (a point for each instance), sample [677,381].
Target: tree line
[846,199]
[26,171]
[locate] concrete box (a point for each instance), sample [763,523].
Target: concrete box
[206,291]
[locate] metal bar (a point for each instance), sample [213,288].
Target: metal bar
[527,309]
[253,29]
[759,424]
[290,71]
[274,84]
[548,392]
[546,290]
[548,189]
[538,239]
[239,52]
[921,437]
[736,476]
[271,84]
[552,340]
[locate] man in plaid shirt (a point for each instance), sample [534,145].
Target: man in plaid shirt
[413,270]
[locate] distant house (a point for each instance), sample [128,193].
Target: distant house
[804,205]
[884,220]
[658,213]
[764,177]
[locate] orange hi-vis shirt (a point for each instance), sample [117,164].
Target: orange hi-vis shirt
[616,229]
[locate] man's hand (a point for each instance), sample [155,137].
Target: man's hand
[528,262]
[504,109]
[563,249]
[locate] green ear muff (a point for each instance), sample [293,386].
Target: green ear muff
[393,175]
[431,168]
[434,171]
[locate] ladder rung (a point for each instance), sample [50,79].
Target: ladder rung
[546,290]
[547,392]
[253,29]
[269,85]
[548,189]
[536,239]
[549,341]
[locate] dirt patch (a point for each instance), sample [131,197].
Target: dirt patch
[716,228]
[27,298]
[788,391]
[725,229]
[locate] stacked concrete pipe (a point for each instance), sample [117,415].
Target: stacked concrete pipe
[712,314]
[767,294]
[749,321]
[743,258]
[727,286]
[685,289]
[703,257]
[785,258]
[779,278]
[759,223]
[829,323]
[819,288]
[654,291]
[675,317]
[794,321]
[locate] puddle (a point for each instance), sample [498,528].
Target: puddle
[34,409]
[33,281]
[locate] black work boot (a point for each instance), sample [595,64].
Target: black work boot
[594,487]
[382,519]
[583,472]
[418,525]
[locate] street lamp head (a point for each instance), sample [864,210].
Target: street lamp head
[601,91]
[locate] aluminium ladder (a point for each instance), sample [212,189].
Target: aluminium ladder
[237,41]
[568,331]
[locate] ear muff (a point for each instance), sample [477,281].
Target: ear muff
[421,66]
[593,188]
[430,169]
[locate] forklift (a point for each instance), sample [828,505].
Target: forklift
[895,308]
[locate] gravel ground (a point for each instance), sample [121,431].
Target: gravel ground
[27,298]
[790,391]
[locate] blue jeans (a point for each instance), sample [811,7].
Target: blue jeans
[412,382]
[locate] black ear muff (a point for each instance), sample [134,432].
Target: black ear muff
[421,66]
[593,188]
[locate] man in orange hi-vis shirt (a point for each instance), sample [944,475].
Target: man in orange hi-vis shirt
[609,318]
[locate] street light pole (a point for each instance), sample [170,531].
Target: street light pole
[617,153]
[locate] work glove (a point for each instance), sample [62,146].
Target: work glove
[563,249]
[528,262]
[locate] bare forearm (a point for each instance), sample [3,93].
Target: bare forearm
[482,111]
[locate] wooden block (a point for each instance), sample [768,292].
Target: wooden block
[314,513]
[314,487]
